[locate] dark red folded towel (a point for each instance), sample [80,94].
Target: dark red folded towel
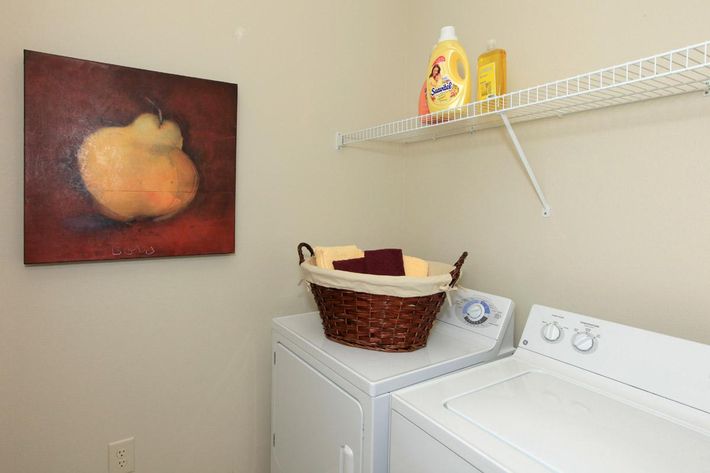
[387,262]
[356,265]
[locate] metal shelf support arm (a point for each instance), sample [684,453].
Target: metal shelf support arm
[546,210]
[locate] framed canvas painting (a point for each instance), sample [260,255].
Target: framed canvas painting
[125,163]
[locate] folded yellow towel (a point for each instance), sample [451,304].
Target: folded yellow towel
[325,255]
[415,267]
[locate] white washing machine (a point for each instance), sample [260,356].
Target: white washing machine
[331,402]
[580,395]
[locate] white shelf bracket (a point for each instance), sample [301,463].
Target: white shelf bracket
[707,88]
[546,210]
[339,140]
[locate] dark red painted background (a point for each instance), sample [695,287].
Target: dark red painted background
[68,99]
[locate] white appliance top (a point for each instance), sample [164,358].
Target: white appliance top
[579,399]
[466,333]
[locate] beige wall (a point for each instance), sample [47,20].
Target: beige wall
[176,351]
[629,239]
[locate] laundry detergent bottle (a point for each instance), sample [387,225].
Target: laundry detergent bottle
[492,73]
[448,80]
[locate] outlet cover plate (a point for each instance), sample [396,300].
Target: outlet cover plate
[121,456]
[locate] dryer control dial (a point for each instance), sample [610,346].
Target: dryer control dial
[584,342]
[476,311]
[552,332]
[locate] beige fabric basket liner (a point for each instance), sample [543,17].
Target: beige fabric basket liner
[400,286]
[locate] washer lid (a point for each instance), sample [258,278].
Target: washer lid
[531,414]
[572,429]
[448,349]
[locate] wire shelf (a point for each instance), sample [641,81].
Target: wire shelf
[675,72]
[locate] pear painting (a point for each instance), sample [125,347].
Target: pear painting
[123,163]
[138,171]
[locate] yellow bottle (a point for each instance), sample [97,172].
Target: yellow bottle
[448,81]
[491,72]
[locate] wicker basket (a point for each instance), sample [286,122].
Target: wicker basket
[375,321]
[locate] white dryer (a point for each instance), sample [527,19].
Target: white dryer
[331,402]
[580,395]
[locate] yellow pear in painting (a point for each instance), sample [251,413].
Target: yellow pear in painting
[138,171]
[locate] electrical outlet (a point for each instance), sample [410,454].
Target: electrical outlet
[121,456]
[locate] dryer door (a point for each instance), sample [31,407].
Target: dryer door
[317,427]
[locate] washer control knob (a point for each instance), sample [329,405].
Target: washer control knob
[584,342]
[551,332]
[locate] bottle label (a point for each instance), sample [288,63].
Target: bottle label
[440,88]
[487,86]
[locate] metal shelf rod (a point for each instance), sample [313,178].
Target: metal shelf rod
[546,210]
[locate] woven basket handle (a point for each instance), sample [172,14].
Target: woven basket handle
[457,269]
[301,246]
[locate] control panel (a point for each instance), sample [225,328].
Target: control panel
[672,367]
[563,328]
[476,311]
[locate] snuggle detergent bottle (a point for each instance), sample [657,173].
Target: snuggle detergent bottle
[448,81]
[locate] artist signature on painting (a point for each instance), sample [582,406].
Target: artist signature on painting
[133,251]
